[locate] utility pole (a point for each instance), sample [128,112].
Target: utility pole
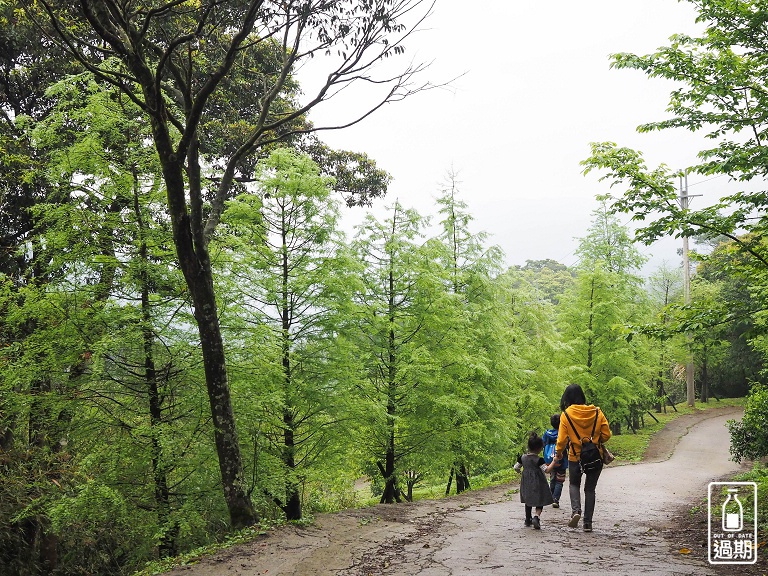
[689,367]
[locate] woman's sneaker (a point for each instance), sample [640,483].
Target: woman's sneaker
[574,521]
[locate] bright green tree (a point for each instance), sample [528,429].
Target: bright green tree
[214,84]
[404,315]
[532,296]
[664,287]
[469,265]
[721,91]
[287,279]
[113,283]
[594,316]
[28,430]
[748,436]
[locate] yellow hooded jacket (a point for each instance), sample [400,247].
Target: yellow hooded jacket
[583,417]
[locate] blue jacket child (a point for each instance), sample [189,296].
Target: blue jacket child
[557,476]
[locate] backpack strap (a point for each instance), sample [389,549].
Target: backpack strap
[576,433]
[594,425]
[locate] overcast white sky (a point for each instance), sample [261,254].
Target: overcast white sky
[537,90]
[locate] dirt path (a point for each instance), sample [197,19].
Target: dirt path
[481,533]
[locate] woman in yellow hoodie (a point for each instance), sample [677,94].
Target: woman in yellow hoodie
[584,417]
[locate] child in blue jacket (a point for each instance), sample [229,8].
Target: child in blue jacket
[557,476]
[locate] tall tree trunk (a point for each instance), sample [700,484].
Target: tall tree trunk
[292,504]
[195,264]
[190,239]
[167,546]
[661,403]
[200,281]
[43,544]
[462,478]
[391,493]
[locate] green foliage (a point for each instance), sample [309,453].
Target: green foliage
[94,344]
[98,530]
[759,475]
[31,481]
[610,368]
[287,283]
[355,175]
[101,383]
[721,87]
[749,437]
[614,368]
[483,357]
[402,322]
[608,243]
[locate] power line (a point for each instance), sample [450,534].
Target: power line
[707,180]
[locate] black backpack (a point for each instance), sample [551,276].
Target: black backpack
[590,454]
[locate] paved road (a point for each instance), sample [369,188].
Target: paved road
[632,502]
[481,533]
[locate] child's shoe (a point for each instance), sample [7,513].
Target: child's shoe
[536,523]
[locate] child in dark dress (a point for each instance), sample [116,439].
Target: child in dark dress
[534,488]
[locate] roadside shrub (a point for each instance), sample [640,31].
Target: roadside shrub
[97,532]
[759,475]
[749,436]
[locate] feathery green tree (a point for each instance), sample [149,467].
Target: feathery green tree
[287,282]
[189,68]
